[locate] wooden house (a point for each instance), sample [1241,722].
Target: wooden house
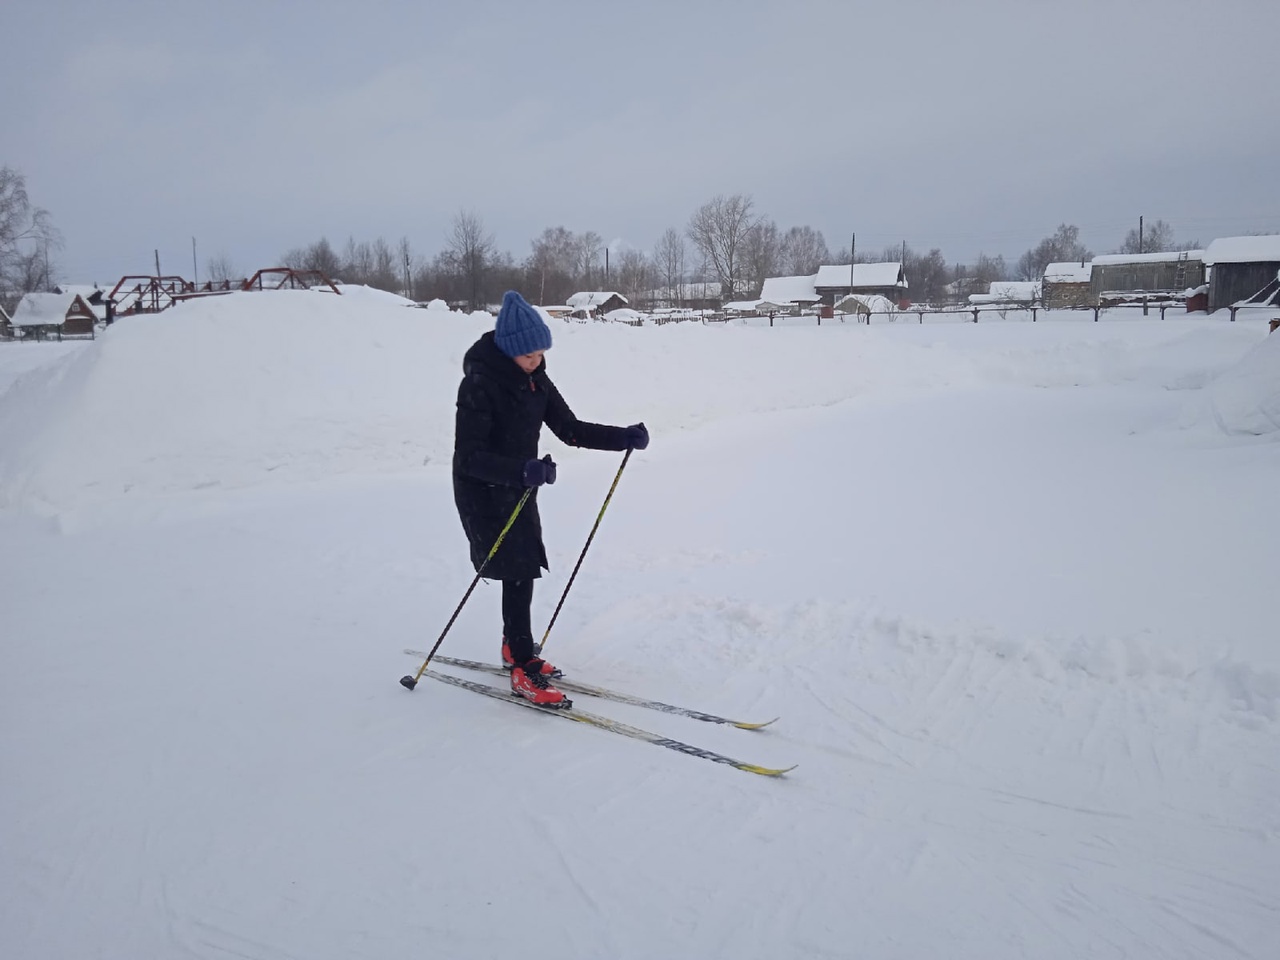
[837,281]
[597,302]
[1239,268]
[55,316]
[1122,277]
[1065,286]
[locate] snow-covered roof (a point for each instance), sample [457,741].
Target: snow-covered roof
[786,290]
[593,298]
[1114,258]
[1243,250]
[42,309]
[1071,272]
[864,275]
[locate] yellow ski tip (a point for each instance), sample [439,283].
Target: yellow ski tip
[765,771]
[745,725]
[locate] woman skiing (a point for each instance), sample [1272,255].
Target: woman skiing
[504,399]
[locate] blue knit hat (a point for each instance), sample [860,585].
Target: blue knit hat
[520,328]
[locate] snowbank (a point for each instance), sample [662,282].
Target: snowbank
[297,386]
[1246,398]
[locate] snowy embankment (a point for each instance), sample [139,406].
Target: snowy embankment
[1010,587]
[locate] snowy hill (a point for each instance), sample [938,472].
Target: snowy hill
[1009,586]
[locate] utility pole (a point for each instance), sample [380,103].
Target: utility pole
[157,262]
[195,270]
[1140,234]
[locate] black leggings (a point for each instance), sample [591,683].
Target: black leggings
[517,599]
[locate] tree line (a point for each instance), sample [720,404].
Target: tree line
[726,241]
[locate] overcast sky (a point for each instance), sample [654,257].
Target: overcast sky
[978,126]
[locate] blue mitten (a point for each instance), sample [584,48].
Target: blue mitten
[637,436]
[538,472]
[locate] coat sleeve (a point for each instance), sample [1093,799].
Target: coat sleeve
[473,455]
[580,433]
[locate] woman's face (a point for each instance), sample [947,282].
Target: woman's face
[529,362]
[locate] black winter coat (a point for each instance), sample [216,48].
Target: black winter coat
[501,410]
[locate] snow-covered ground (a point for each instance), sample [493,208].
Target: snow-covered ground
[1010,586]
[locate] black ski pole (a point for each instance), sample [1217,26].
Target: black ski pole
[581,556]
[410,682]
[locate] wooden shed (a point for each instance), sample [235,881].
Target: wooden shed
[1129,276]
[1065,286]
[1240,267]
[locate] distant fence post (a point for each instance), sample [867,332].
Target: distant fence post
[1233,314]
[1096,311]
[1033,314]
[975,314]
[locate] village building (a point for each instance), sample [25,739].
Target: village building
[786,295]
[55,316]
[839,280]
[830,285]
[1133,277]
[597,302]
[1065,286]
[1240,268]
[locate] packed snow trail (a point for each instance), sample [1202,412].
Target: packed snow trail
[1021,642]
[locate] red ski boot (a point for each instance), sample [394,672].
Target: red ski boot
[529,681]
[547,669]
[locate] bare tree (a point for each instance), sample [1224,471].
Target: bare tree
[988,270]
[1063,247]
[357,261]
[319,256]
[635,275]
[668,262]
[927,275]
[26,236]
[719,230]
[1156,237]
[761,254]
[383,275]
[469,251]
[590,249]
[803,251]
[220,269]
[552,265]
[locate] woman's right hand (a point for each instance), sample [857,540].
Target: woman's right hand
[538,472]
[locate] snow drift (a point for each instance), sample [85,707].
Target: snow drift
[1246,398]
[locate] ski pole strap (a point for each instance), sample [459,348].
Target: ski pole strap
[496,544]
[581,556]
